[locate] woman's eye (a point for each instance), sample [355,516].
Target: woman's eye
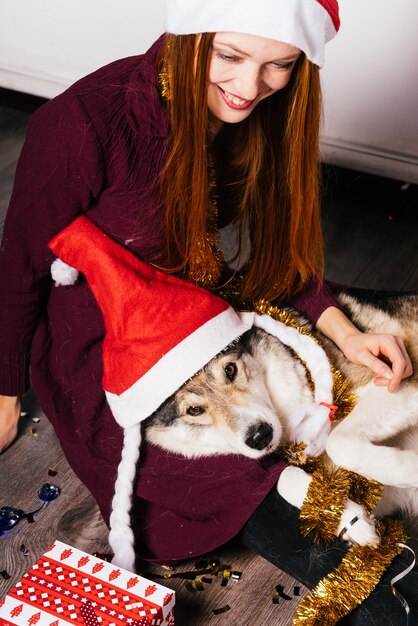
[231,371]
[283,66]
[195,410]
[227,57]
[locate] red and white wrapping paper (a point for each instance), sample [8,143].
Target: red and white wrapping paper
[68,586]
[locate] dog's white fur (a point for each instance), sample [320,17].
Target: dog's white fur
[241,402]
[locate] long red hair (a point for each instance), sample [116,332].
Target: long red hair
[273,158]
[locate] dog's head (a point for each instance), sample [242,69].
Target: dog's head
[225,408]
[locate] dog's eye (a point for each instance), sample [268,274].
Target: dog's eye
[231,371]
[194,410]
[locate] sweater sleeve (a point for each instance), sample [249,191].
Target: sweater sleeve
[313,299]
[59,173]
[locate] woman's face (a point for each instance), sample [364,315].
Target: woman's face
[245,69]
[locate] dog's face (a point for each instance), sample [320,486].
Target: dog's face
[225,408]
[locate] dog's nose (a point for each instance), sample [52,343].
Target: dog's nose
[259,436]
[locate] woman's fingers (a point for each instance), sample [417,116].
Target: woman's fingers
[385,355]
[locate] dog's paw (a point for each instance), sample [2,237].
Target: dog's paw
[293,485]
[357,526]
[316,446]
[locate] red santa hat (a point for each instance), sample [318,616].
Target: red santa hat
[159,332]
[306,24]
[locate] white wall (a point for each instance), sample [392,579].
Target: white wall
[370,81]
[370,76]
[45,45]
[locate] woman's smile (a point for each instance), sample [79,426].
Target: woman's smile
[233,101]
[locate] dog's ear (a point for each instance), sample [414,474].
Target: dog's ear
[251,340]
[244,344]
[166,414]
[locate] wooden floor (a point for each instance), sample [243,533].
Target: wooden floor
[371,231]
[370,227]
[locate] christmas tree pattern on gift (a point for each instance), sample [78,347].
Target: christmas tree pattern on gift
[58,589]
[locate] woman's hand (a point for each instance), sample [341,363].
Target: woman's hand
[365,349]
[9,417]
[368,349]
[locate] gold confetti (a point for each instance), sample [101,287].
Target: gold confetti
[226,575]
[189,587]
[221,610]
[24,549]
[104,556]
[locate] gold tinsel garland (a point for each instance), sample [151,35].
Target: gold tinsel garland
[353,580]
[207,269]
[328,493]
[164,81]
[362,567]
[364,491]
[324,503]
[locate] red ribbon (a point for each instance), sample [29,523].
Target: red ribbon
[333,408]
[88,614]
[90,617]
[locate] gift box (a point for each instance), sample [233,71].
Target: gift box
[68,586]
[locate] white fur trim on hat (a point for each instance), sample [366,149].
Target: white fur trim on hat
[177,366]
[309,351]
[305,24]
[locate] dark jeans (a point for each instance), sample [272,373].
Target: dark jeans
[273,532]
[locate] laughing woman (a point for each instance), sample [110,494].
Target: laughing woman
[204,134]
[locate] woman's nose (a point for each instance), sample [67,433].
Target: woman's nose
[249,83]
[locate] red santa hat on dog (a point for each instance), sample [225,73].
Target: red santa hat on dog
[306,24]
[160,331]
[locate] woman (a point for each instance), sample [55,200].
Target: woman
[160,152]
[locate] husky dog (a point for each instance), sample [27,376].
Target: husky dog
[243,400]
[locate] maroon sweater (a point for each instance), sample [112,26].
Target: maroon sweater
[98,149]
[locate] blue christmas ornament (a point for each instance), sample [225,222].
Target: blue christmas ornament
[10,517]
[48,492]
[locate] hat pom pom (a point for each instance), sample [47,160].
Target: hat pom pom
[63,274]
[311,427]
